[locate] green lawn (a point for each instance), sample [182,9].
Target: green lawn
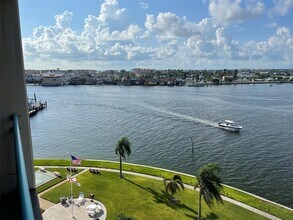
[62,171]
[232,193]
[144,198]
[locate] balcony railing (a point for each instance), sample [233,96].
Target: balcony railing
[24,193]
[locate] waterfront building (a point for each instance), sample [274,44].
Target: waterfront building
[227,78]
[53,79]
[189,81]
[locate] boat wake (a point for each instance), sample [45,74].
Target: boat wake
[186,117]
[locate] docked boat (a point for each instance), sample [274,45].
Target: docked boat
[230,126]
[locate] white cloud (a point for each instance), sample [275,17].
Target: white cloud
[214,42]
[138,52]
[129,52]
[110,9]
[281,7]
[279,47]
[109,13]
[169,25]
[105,34]
[92,23]
[165,39]
[166,51]
[114,51]
[144,5]
[131,33]
[64,20]
[97,41]
[201,48]
[207,27]
[233,11]
[57,39]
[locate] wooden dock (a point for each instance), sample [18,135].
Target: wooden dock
[35,106]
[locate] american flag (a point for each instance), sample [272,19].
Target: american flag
[75,160]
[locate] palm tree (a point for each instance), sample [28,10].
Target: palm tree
[209,185]
[173,185]
[123,149]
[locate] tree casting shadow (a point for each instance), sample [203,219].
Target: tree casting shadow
[135,184]
[210,216]
[163,197]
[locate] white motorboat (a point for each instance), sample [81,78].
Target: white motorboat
[230,126]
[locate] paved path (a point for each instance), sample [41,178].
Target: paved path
[44,204]
[252,209]
[79,212]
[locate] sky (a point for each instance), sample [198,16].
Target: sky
[156,34]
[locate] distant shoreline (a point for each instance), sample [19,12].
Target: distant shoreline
[203,85]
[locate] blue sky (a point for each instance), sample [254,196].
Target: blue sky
[161,34]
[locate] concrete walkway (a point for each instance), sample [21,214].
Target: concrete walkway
[43,203]
[78,212]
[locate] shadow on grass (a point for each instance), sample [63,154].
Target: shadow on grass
[164,198]
[136,184]
[210,216]
[191,216]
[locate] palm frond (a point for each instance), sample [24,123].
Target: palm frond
[123,147]
[177,177]
[166,181]
[173,185]
[209,183]
[178,181]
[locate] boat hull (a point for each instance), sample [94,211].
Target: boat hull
[230,128]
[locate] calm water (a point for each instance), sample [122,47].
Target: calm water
[87,121]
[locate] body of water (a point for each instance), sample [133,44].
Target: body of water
[87,121]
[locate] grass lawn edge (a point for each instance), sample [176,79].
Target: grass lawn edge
[228,191]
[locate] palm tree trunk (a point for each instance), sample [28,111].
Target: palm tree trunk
[120,166]
[199,205]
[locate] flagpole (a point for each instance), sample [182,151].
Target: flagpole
[71,189]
